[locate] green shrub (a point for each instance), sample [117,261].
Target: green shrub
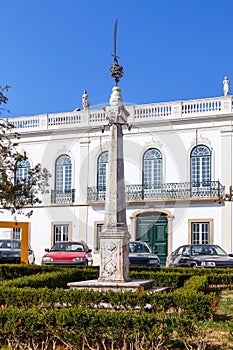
[12,271]
[59,278]
[75,327]
[38,307]
[54,279]
[197,283]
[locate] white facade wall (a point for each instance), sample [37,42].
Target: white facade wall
[174,134]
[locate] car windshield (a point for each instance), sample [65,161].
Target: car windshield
[9,244]
[207,250]
[135,247]
[68,247]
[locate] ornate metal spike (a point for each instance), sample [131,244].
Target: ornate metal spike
[116,70]
[114,42]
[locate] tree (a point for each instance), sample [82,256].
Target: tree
[17,192]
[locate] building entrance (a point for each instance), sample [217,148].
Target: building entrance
[24,226]
[153,229]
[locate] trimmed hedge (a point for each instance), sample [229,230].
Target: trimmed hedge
[190,299]
[60,278]
[175,276]
[197,283]
[35,313]
[180,300]
[75,327]
[12,271]
[54,279]
[169,279]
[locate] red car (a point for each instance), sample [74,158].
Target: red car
[68,253]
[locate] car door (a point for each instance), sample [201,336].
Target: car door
[185,257]
[176,256]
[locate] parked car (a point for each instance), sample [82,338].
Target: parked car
[68,253]
[200,255]
[10,251]
[140,254]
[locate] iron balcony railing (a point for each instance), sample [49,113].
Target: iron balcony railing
[62,197]
[167,191]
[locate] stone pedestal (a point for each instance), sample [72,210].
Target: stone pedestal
[114,286]
[114,248]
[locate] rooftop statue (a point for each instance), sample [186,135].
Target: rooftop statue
[226,86]
[85,101]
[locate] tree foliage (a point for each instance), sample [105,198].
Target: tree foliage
[17,195]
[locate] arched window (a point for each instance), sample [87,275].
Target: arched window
[22,171]
[200,165]
[101,171]
[152,167]
[63,173]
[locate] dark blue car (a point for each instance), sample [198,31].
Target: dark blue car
[200,255]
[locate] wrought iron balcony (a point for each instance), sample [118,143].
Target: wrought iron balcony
[62,197]
[167,191]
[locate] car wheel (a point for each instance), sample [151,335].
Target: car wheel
[194,265]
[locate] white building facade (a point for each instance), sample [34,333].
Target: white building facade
[178,173]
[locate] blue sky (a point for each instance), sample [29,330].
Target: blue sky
[52,50]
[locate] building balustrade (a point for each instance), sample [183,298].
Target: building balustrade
[62,197]
[137,113]
[167,191]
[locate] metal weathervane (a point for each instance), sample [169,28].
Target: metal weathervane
[116,70]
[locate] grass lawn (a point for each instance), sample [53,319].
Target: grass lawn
[220,329]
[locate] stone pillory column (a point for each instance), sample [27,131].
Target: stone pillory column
[114,238]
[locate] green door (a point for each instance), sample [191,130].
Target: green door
[152,228]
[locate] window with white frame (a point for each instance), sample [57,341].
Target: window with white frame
[22,171]
[102,171]
[60,232]
[200,232]
[201,166]
[16,233]
[63,173]
[152,167]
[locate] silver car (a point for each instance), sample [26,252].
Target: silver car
[10,250]
[140,254]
